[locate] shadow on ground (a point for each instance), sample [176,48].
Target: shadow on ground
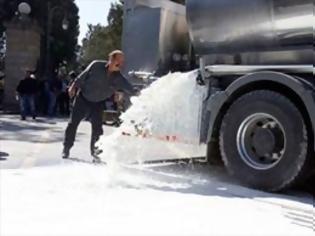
[32,131]
[3,156]
[206,180]
[202,178]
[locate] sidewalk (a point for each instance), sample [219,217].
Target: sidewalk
[25,144]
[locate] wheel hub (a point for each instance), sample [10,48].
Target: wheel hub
[261,141]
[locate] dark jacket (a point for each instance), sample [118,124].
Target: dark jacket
[28,86]
[97,84]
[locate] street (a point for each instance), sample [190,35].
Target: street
[182,75]
[41,194]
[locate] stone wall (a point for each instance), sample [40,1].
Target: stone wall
[23,52]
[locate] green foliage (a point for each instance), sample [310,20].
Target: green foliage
[63,43]
[101,40]
[94,44]
[115,24]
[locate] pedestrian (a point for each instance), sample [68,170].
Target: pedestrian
[54,89]
[26,91]
[72,78]
[95,84]
[43,96]
[63,97]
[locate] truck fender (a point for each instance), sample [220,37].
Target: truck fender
[219,102]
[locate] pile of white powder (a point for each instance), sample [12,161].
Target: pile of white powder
[170,108]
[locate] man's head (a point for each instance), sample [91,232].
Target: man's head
[28,74]
[116,60]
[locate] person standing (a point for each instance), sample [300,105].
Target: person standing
[72,78]
[27,90]
[93,86]
[54,89]
[63,97]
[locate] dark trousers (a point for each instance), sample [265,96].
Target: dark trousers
[63,103]
[27,103]
[83,108]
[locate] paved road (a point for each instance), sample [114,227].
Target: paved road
[37,143]
[28,144]
[25,144]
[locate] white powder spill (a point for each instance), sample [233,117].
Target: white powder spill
[169,110]
[80,199]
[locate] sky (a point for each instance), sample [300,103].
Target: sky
[92,12]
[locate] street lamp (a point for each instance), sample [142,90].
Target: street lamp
[65,26]
[24,8]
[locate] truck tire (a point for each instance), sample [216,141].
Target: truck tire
[264,141]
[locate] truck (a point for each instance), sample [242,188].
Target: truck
[256,59]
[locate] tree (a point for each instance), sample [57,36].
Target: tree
[115,24]
[101,40]
[95,44]
[64,43]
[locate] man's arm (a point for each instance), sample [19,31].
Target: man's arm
[124,85]
[19,88]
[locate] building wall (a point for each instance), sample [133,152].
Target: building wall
[23,52]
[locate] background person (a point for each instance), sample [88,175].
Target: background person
[27,90]
[63,97]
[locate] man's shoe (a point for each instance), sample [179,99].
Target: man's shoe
[65,153]
[34,117]
[96,159]
[23,118]
[98,151]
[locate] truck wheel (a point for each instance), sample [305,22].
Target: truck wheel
[264,141]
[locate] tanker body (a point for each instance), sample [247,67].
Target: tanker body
[258,32]
[257,61]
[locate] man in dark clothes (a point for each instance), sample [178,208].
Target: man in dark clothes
[98,82]
[63,97]
[27,90]
[54,89]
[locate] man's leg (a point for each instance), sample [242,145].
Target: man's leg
[67,104]
[31,102]
[63,106]
[23,104]
[97,123]
[60,104]
[52,104]
[78,113]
